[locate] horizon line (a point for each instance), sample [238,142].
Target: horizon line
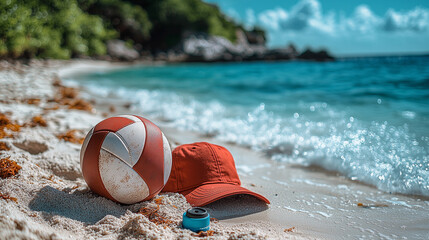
[394,54]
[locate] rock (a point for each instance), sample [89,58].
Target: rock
[241,38]
[255,38]
[292,49]
[320,56]
[279,54]
[33,147]
[117,49]
[201,47]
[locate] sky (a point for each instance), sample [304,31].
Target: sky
[348,27]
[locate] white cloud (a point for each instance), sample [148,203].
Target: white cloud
[272,19]
[302,14]
[362,21]
[415,20]
[307,16]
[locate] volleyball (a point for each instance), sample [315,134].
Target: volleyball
[126,158]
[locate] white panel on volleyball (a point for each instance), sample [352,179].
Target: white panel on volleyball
[134,136]
[116,146]
[123,183]
[131,117]
[167,158]
[85,144]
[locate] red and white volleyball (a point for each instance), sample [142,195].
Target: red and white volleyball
[126,159]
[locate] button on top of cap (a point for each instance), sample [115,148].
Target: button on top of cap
[196,212]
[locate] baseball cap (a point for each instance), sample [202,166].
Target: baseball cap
[204,173]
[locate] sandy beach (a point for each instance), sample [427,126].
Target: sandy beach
[48,198]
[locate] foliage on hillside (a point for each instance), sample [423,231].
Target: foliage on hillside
[70,28]
[50,29]
[172,18]
[160,24]
[129,20]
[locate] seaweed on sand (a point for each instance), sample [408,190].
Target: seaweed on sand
[70,136]
[6,123]
[8,168]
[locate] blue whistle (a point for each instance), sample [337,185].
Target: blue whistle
[196,219]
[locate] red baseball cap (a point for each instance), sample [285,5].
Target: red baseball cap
[204,173]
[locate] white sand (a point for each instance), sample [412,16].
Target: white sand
[53,200]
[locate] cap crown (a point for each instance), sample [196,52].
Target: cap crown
[200,163]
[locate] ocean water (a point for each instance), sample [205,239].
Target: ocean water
[366,118]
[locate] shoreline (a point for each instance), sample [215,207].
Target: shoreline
[48,198]
[340,208]
[318,204]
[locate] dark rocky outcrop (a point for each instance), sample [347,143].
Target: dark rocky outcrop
[255,38]
[202,47]
[320,56]
[205,48]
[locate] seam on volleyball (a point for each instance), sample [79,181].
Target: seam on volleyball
[123,142]
[109,196]
[85,145]
[114,154]
[157,191]
[110,130]
[104,185]
[163,160]
[169,147]
[145,139]
[162,146]
[126,144]
[144,146]
[127,116]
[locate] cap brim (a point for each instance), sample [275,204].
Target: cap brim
[209,193]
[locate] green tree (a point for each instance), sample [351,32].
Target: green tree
[131,21]
[172,18]
[71,28]
[49,29]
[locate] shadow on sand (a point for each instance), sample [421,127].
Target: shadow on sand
[77,205]
[235,206]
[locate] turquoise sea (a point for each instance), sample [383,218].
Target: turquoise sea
[366,118]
